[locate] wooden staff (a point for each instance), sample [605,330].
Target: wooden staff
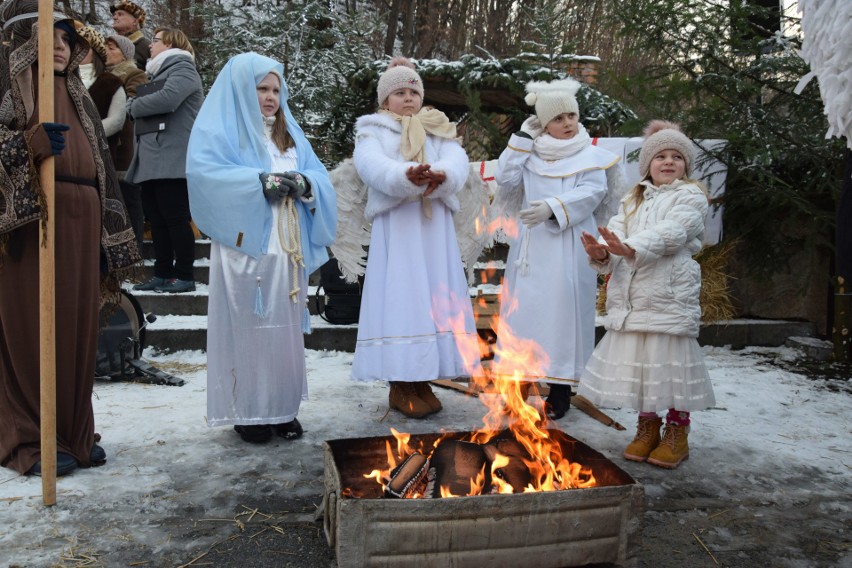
[46,266]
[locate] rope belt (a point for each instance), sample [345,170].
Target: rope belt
[291,242]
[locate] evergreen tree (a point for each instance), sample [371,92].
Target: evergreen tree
[720,76]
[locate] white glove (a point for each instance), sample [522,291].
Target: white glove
[538,213]
[533,127]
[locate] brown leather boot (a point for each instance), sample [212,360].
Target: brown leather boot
[647,438]
[673,449]
[424,391]
[403,397]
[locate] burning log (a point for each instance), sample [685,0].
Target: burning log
[458,468]
[513,470]
[408,480]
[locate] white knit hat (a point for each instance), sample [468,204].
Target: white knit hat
[400,74]
[663,135]
[553,98]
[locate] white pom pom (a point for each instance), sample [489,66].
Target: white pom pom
[531,98]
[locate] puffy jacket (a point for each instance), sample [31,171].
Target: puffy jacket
[658,290]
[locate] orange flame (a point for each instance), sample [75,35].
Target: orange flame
[503,388]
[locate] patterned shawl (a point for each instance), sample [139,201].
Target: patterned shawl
[21,197]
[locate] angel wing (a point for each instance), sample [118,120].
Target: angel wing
[827,27]
[472,220]
[353,230]
[616,189]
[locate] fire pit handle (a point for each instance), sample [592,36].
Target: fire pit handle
[329,517]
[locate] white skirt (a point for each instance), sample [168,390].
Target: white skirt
[256,370]
[649,372]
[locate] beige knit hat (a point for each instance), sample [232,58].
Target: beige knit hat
[400,74]
[553,98]
[663,135]
[94,38]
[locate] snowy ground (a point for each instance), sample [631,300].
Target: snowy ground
[769,481]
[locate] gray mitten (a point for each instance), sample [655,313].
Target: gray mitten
[299,184]
[274,186]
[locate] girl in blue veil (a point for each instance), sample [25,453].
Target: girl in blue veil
[264,198]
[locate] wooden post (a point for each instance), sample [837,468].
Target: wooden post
[46,268]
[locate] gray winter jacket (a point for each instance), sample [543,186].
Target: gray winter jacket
[164,118]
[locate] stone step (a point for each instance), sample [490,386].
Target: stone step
[177,333]
[489,270]
[195,303]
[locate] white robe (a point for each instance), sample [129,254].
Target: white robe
[255,364]
[416,321]
[549,290]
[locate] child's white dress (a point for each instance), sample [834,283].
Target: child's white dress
[416,322]
[649,358]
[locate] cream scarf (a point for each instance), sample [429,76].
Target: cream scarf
[551,149]
[154,64]
[415,128]
[412,143]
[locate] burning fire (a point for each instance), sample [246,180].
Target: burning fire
[515,432]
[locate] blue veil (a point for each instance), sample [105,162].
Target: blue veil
[226,155]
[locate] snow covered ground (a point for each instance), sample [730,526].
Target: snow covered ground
[769,480]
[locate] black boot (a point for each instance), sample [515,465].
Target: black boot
[289,430]
[558,401]
[254,433]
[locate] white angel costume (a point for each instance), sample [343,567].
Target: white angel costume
[416,322]
[549,290]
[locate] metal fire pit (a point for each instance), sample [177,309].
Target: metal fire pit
[548,529]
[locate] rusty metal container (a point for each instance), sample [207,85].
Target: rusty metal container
[556,529]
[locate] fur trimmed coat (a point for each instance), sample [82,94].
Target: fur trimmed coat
[381,166]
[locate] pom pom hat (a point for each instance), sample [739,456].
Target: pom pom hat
[553,98]
[663,135]
[400,74]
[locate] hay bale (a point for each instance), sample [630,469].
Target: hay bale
[715,297]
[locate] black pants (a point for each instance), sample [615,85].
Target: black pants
[132,195]
[166,206]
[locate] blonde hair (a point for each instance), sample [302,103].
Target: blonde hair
[175,38]
[637,195]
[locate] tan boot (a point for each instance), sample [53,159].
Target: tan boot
[404,398]
[647,438]
[673,449]
[424,391]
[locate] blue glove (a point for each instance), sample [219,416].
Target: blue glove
[54,132]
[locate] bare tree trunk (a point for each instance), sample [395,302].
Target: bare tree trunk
[393,18]
[409,31]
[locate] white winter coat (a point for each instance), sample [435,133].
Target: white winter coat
[382,167]
[658,290]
